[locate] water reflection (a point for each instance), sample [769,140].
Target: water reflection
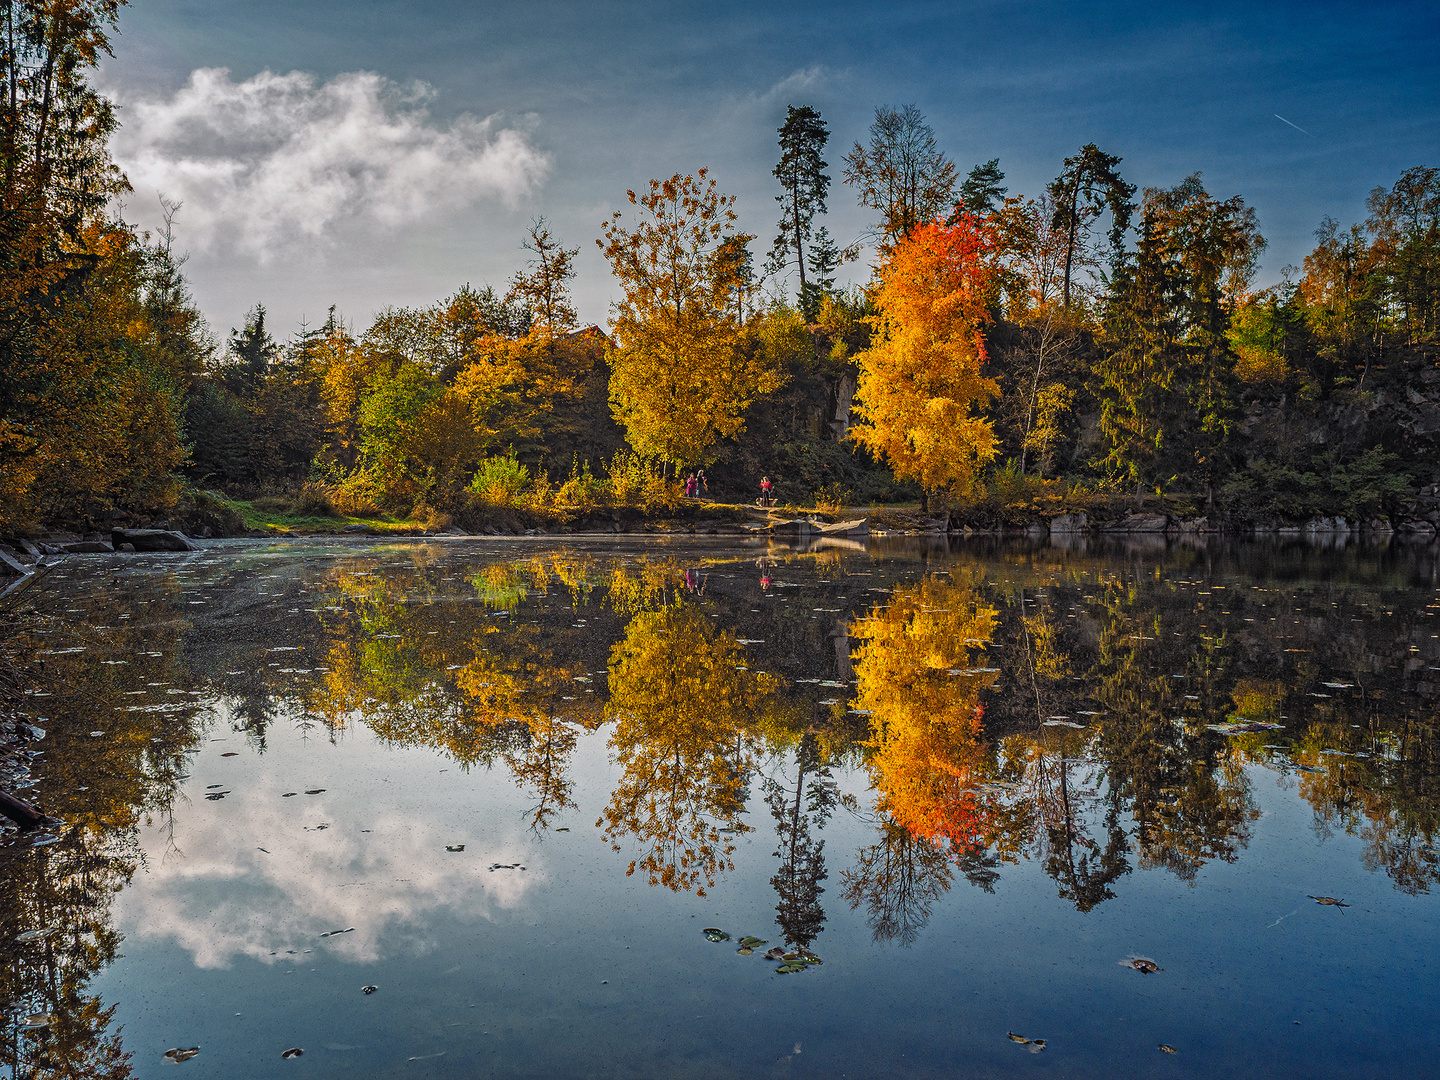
[1030,705]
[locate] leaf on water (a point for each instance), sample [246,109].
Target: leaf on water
[96,734]
[215,796]
[289,794]
[563,828]
[1142,964]
[774,954]
[41,839]
[744,950]
[178,1055]
[1168,1049]
[293,1052]
[454,847]
[714,933]
[231,753]
[1328,901]
[750,942]
[1036,1045]
[1021,1039]
[790,968]
[36,1021]
[333,933]
[315,791]
[368,989]
[34,935]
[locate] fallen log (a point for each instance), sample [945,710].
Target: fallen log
[22,813]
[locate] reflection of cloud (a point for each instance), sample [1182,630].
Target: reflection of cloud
[278,160]
[219,896]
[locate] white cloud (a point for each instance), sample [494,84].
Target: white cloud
[220,896]
[279,163]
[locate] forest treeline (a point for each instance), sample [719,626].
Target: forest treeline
[1094,338]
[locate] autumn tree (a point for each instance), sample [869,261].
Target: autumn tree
[544,288]
[920,380]
[1087,186]
[902,173]
[801,172]
[680,382]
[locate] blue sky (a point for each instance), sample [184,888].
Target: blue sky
[420,138]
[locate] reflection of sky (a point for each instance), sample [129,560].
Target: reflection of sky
[544,973]
[377,865]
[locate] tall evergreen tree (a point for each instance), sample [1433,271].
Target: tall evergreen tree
[1087,186]
[801,172]
[982,193]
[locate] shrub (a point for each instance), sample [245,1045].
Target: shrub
[831,498]
[314,500]
[500,481]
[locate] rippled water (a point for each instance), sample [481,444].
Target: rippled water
[985,786]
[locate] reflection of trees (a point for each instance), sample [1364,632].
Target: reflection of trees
[801,854]
[684,708]
[897,879]
[1383,788]
[916,678]
[1189,795]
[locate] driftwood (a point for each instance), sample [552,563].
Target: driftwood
[22,813]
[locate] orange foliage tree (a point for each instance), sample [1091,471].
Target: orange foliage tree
[921,382]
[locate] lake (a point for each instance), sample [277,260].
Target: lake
[539,809]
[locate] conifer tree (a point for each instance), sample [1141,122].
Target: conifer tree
[801,172]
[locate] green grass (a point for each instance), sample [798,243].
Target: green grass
[283,521]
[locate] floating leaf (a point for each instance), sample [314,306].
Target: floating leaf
[293,1052]
[1142,964]
[230,753]
[315,791]
[714,933]
[289,794]
[751,942]
[1328,901]
[216,796]
[36,1021]
[41,839]
[368,989]
[333,933]
[177,1055]
[774,954]
[1168,1049]
[1036,1045]
[1021,1039]
[96,734]
[744,950]
[34,935]
[790,968]
[454,847]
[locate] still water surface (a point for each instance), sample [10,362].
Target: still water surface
[989,788]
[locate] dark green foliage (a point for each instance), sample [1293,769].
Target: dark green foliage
[982,192]
[801,172]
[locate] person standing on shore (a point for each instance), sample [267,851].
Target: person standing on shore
[765,488]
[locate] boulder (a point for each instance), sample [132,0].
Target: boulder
[151,539]
[87,547]
[356,528]
[1069,523]
[1377,526]
[1141,523]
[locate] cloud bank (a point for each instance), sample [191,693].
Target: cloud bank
[280,163]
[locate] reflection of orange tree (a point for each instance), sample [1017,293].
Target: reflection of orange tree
[686,711]
[916,677]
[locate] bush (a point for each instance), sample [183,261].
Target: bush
[500,481]
[314,500]
[831,498]
[582,490]
[358,495]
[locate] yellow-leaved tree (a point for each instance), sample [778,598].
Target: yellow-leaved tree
[680,379]
[920,381]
